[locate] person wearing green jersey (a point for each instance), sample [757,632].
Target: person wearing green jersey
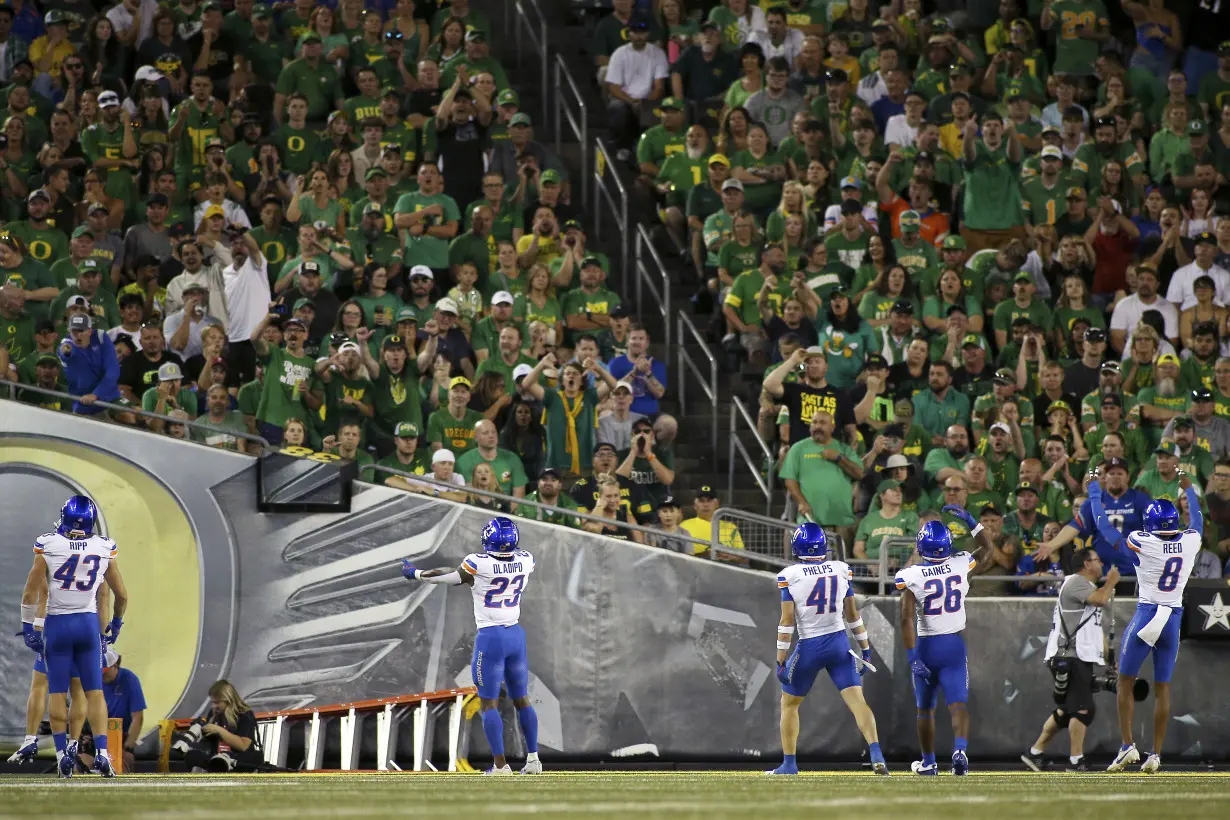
[1162,401]
[505,464]
[761,171]
[889,520]
[430,218]
[1044,196]
[452,426]
[371,245]
[102,308]
[343,389]
[588,307]
[196,121]
[366,104]
[288,370]
[993,211]
[345,445]
[298,142]
[1106,147]
[407,457]
[310,76]
[742,252]
[264,51]
[571,411]
[44,242]
[719,226]
[168,395]
[16,328]
[682,171]
[1083,27]
[1024,302]
[548,493]
[109,146]
[741,307]
[819,472]
[1162,480]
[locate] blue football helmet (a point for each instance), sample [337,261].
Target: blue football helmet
[809,543]
[1161,516]
[934,541]
[500,536]
[77,515]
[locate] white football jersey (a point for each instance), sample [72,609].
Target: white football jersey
[940,589]
[75,570]
[498,585]
[1165,565]
[819,590]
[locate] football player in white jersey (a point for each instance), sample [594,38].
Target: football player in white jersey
[1165,555]
[69,565]
[816,596]
[497,577]
[933,593]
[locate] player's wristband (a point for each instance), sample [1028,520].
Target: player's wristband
[28,613]
[785,630]
[974,532]
[783,645]
[38,623]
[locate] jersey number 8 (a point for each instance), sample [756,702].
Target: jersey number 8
[498,588]
[1170,574]
[67,573]
[950,592]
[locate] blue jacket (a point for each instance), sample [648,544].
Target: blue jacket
[93,369]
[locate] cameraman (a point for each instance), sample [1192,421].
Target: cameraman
[1075,645]
[225,739]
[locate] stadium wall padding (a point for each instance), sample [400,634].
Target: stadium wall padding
[635,653]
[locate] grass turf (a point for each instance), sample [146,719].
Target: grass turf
[597,795]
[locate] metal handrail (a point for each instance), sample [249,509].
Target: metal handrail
[33,388]
[578,121]
[521,502]
[657,280]
[736,446]
[538,36]
[708,386]
[619,208]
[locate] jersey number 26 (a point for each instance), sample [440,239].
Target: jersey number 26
[950,593]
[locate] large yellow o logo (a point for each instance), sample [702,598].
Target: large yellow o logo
[274,252]
[295,144]
[40,250]
[157,555]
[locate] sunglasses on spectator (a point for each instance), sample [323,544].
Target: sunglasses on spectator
[393,35]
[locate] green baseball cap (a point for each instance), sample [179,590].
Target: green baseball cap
[550,175]
[952,242]
[910,221]
[888,484]
[48,358]
[303,302]
[83,230]
[520,118]
[375,172]
[407,315]
[309,37]
[260,10]
[406,429]
[671,103]
[89,265]
[1196,128]
[971,339]
[507,97]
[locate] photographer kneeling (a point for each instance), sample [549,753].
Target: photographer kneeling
[225,739]
[1076,644]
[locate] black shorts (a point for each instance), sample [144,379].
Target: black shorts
[1080,687]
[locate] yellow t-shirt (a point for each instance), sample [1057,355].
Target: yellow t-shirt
[548,248]
[702,530]
[63,51]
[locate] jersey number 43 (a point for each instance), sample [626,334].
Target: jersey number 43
[67,573]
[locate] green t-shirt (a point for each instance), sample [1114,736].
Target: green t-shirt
[992,195]
[299,147]
[1029,537]
[1044,206]
[319,85]
[287,379]
[424,249]
[1151,481]
[1179,403]
[1198,463]
[764,196]
[103,309]
[851,252]
[455,434]
[332,412]
[1007,311]
[564,501]
[495,364]
[199,127]
[564,414]
[916,259]
[396,398]
[267,58]
[359,108]
[17,336]
[184,399]
[420,464]
[1088,162]
[1073,54]
[509,472]
[98,143]
[601,301]
[875,527]
[683,174]
[657,143]
[823,484]
[276,248]
[735,258]
[45,245]
[470,247]
[719,225]
[742,295]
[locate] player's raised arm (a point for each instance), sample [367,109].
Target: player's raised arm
[1195,519]
[982,538]
[464,574]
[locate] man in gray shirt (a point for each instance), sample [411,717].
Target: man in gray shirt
[149,238]
[775,105]
[616,426]
[1212,432]
[520,139]
[1075,646]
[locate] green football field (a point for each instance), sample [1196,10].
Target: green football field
[592,795]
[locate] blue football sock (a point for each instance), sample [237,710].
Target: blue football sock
[493,728]
[876,755]
[928,759]
[788,760]
[100,742]
[960,744]
[1125,747]
[528,719]
[61,741]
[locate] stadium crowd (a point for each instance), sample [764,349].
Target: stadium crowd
[969,254]
[970,264]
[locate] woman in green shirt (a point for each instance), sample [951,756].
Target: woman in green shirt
[950,291]
[892,287]
[538,303]
[679,27]
[335,45]
[794,242]
[505,275]
[737,19]
[847,339]
[761,170]
[449,46]
[751,61]
[378,304]
[872,271]
[316,204]
[1074,304]
[341,180]
[732,131]
[793,201]
[16,164]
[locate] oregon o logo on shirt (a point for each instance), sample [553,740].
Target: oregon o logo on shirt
[40,250]
[274,252]
[295,144]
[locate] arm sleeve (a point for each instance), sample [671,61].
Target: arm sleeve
[1196,518]
[1112,535]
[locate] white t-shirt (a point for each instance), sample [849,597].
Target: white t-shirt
[635,71]
[121,19]
[789,48]
[247,298]
[899,132]
[118,329]
[232,212]
[832,215]
[1129,310]
[193,346]
[1182,290]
